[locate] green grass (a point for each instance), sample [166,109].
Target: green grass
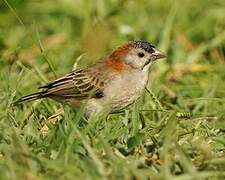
[43,39]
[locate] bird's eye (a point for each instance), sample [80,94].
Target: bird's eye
[141,54]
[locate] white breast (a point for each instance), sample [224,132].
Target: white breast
[123,90]
[126,89]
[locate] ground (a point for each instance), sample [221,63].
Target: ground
[175,131]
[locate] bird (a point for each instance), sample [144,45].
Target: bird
[113,83]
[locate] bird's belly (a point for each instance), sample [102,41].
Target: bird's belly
[124,91]
[124,98]
[122,102]
[118,94]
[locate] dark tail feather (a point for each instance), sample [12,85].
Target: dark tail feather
[28,98]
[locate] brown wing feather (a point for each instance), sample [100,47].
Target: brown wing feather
[78,84]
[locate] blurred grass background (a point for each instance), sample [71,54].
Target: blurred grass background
[43,39]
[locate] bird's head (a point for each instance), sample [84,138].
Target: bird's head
[134,54]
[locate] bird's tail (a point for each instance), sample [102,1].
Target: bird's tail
[28,98]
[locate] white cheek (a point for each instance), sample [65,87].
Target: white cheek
[134,61]
[130,59]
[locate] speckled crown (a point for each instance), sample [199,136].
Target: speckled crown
[143,45]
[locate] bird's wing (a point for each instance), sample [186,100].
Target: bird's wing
[79,84]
